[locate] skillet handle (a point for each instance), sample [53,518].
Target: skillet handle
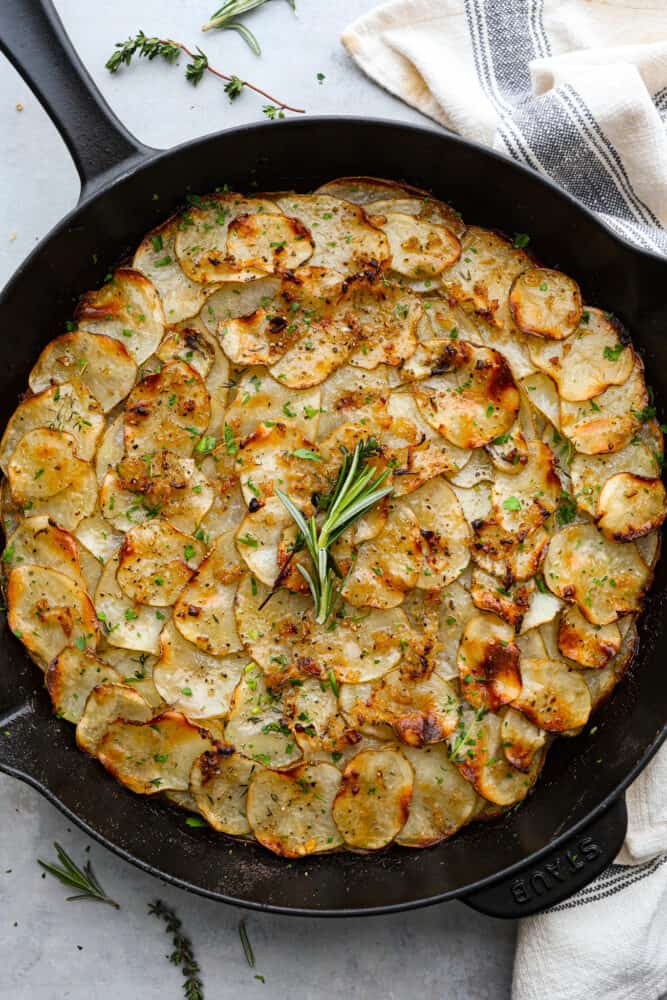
[34,40]
[559,874]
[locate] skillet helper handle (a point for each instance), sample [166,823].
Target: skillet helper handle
[34,40]
[559,874]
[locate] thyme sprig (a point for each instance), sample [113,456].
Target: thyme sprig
[144,47]
[182,955]
[357,489]
[223,18]
[81,879]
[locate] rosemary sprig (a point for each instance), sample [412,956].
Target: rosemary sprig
[182,955]
[223,19]
[145,47]
[247,947]
[357,489]
[84,880]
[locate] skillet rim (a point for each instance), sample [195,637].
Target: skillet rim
[126,172]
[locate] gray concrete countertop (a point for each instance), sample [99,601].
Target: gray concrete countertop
[52,949]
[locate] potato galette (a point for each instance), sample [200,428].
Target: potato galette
[328,513]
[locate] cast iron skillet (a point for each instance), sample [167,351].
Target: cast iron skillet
[572,826]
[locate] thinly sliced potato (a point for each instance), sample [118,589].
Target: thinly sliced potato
[127,308]
[418,248]
[482,276]
[237,298]
[605,579]
[388,565]
[313,712]
[422,453]
[259,541]
[326,346]
[192,681]
[261,338]
[279,456]
[154,756]
[350,394]
[261,398]
[219,783]
[202,245]
[40,541]
[521,739]
[111,447]
[373,802]
[506,555]
[102,363]
[204,611]
[587,363]
[601,682]
[46,477]
[267,243]
[590,472]
[608,421]
[70,678]
[98,537]
[509,452]
[387,315]
[442,801]
[453,608]
[546,303]
[543,608]
[125,623]
[291,813]
[192,344]
[156,561]
[169,410]
[589,645]
[136,670]
[105,704]
[421,711]
[509,603]
[48,610]
[476,750]
[467,393]
[382,195]
[522,502]
[258,726]
[445,540]
[542,393]
[156,258]
[488,662]
[553,696]
[344,238]
[478,469]
[630,506]
[68,408]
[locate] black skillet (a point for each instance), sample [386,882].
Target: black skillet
[572,826]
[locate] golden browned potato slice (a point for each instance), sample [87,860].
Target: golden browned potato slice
[156,561]
[509,452]
[125,623]
[509,603]
[46,477]
[630,506]
[47,610]
[523,502]
[380,195]
[521,739]
[388,565]
[419,249]
[102,363]
[608,421]
[605,579]
[590,472]
[261,338]
[238,298]
[467,393]
[70,678]
[105,704]
[445,535]
[39,541]
[350,394]
[442,801]
[168,410]
[260,398]
[148,485]
[488,662]
[387,315]
[313,713]
[419,452]
[553,696]
[291,813]
[326,346]
[68,408]
[193,344]
[476,750]
[591,360]
[506,555]
[279,456]
[268,243]
[420,711]
[192,681]
[373,802]
[127,308]
[344,238]
[156,258]
[589,645]
[219,783]
[482,276]
[149,757]
[202,245]
[258,726]
[269,633]
[546,303]
[204,611]
[135,669]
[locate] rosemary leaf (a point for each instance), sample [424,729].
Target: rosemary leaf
[82,879]
[247,947]
[182,955]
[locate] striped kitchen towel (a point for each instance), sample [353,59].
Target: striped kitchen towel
[577,90]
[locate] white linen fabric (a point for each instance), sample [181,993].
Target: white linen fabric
[576,89]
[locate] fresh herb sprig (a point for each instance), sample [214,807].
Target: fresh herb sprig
[224,18]
[81,879]
[357,489]
[182,955]
[144,47]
